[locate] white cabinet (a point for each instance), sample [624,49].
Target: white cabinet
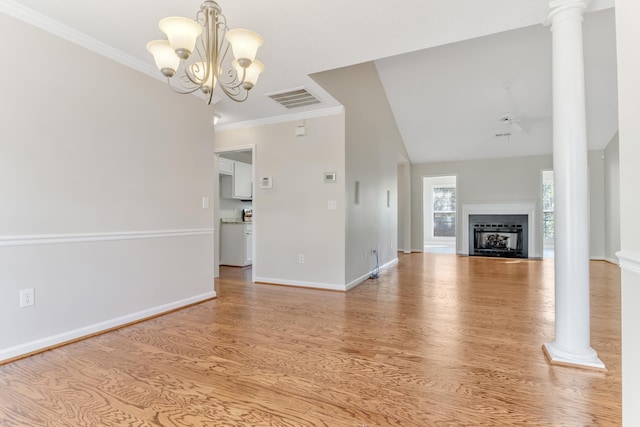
[225,166]
[248,244]
[242,184]
[236,184]
[236,244]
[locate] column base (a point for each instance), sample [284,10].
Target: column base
[563,358]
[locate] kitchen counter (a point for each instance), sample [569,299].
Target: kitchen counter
[234,221]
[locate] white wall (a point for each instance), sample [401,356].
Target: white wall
[373,148]
[612,200]
[596,204]
[102,171]
[627,35]
[293,217]
[404,206]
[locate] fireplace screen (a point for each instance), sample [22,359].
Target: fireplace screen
[493,240]
[501,236]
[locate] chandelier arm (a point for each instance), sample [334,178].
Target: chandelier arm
[222,50]
[212,44]
[182,89]
[235,95]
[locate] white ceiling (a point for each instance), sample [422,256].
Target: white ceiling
[450,68]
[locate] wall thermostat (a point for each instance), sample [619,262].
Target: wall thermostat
[266,182]
[330,177]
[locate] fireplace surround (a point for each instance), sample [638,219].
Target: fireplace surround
[528,208]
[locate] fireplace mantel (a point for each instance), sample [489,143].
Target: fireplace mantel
[515,208]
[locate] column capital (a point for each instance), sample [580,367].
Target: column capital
[565,9]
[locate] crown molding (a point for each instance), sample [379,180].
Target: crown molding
[331,111]
[18,11]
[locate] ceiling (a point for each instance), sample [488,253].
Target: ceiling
[450,68]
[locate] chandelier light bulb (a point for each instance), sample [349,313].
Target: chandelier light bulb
[182,34]
[165,57]
[245,44]
[251,73]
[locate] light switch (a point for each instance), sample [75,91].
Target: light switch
[205,202]
[332,204]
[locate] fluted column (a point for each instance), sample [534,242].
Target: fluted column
[572,335]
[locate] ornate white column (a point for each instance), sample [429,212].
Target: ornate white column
[570,174]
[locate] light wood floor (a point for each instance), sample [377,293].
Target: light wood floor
[438,340]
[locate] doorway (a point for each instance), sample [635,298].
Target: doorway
[234,211]
[440,212]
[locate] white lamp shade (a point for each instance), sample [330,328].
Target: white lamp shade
[163,54]
[252,73]
[198,70]
[181,32]
[245,43]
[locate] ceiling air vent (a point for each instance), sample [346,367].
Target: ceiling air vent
[294,98]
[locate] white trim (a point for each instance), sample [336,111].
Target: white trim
[327,286]
[54,340]
[518,208]
[47,239]
[559,357]
[612,260]
[18,11]
[331,111]
[364,277]
[629,261]
[300,284]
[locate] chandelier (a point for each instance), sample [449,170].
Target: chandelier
[195,54]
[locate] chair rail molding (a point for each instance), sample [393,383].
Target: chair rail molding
[47,239]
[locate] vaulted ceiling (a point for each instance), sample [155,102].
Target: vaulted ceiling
[451,69]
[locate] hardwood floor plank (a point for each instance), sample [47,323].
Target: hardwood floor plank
[436,340]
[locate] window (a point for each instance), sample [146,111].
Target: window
[444,211]
[548,219]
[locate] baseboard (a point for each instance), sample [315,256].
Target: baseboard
[301,284]
[629,261]
[612,260]
[364,277]
[53,341]
[324,286]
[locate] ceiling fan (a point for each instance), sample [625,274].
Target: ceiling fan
[508,123]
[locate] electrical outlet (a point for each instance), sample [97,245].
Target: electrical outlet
[27,297]
[301,258]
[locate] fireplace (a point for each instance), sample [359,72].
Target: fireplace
[499,235]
